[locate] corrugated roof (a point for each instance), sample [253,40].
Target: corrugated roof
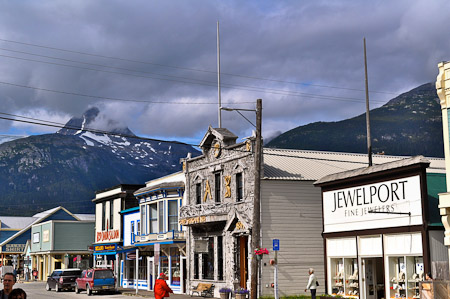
[286,164]
[85,217]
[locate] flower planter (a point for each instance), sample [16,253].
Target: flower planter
[224,295]
[241,296]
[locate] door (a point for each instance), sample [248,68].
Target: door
[243,266]
[183,274]
[369,279]
[150,272]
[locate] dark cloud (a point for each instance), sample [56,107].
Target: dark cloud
[314,42]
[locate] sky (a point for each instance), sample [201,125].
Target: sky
[152,65]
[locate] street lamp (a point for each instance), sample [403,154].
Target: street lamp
[257,194]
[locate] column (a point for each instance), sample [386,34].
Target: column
[137,270]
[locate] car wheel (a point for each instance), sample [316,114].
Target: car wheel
[77,290]
[57,289]
[47,287]
[88,290]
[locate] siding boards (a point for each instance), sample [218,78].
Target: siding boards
[291,211]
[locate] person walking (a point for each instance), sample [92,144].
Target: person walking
[161,288]
[312,283]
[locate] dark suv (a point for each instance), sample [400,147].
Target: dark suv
[62,279]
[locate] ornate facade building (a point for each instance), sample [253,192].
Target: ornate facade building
[219,205]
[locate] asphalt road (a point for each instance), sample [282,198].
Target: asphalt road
[36,290]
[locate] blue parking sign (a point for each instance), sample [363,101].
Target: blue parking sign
[276,244]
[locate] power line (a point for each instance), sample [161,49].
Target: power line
[191,69]
[199,82]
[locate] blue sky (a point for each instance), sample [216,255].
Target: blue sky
[152,64]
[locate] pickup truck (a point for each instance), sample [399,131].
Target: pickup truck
[97,280]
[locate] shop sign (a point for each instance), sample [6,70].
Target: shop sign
[193,220]
[105,247]
[107,235]
[387,204]
[201,246]
[14,247]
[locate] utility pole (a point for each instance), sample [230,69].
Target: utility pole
[369,142]
[256,203]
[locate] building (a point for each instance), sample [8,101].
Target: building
[61,244]
[381,228]
[217,214]
[108,233]
[155,233]
[443,91]
[17,231]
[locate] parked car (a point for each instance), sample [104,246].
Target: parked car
[97,280]
[62,279]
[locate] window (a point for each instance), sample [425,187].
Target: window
[144,219]
[239,187]
[132,232]
[138,228]
[153,219]
[104,215]
[196,262]
[217,182]
[208,261]
[198,193]
[161,216]
[36,237]
[173,215]
[220,257]
[111,214]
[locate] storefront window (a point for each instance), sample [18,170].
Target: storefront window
[196,258]
[344,276]
[164,264]
[175,261]
[143,268]
[220,257]
[351,276]
[337,276]
[208,261]
[173,215]
[405,273]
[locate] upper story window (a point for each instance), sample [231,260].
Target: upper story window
[217,183]
[144,219]
[161,216]
[173,215]
[104,215]
[138,228]
[111,214]
[153,218]
[198,193]
[239,187]
[132,232]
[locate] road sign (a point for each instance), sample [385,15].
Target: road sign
[276,244]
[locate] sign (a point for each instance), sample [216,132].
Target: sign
[46,236]
[105,247]
[201,246]
[193,220]
[107,235]
[276,244]
[14,247]
[373,205]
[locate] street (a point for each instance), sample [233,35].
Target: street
[36,290]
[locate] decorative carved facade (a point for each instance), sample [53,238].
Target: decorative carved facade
[219,205]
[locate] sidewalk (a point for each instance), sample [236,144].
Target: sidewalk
[149,294]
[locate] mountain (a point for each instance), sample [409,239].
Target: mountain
[66,168]
[410,124]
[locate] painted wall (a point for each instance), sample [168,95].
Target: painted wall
[127,220]
[73,236]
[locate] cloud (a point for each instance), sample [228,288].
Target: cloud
[307,50]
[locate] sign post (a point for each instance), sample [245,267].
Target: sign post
[276,248]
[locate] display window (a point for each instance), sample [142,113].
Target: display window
[175,267]
[405,273]
[344,277]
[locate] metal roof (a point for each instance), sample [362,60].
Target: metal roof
[287,164]
[15,222]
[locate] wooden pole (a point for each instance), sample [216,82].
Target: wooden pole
[369,142]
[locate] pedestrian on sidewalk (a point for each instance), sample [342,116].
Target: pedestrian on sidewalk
[161,288]
[312,283]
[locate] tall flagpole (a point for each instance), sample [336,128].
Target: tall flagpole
[369,142]
[218,76]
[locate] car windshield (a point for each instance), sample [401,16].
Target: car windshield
[103,274]
[72,273]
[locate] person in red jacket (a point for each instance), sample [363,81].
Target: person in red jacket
[161,288]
